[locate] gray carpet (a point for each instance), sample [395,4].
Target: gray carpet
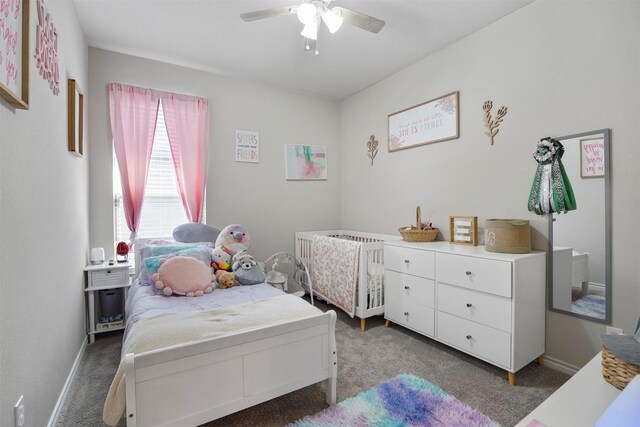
[364,360]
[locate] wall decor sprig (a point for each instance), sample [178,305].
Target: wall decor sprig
[372,148]
[491,124]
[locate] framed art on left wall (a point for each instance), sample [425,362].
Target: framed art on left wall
[14,54]
[75,118]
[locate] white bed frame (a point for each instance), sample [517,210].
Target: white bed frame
[370,298]
[191,384]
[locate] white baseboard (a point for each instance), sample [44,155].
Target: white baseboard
[53,420]
[560,366]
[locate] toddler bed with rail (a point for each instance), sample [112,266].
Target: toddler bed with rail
[367,286]
[189,360]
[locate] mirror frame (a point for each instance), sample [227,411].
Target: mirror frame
[607,232]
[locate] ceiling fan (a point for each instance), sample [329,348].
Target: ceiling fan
[312,12]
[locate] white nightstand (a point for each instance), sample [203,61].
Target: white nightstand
[102,277]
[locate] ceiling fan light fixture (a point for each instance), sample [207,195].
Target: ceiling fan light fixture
[310,30]
[332,20]
[307,13]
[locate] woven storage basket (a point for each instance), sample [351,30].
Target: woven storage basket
[616,371]
[416,234]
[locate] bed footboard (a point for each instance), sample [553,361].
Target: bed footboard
[194,383]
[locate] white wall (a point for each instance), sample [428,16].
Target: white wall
[255,195]
[560,68]
[43,233]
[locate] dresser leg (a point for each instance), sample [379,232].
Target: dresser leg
[387,323]
[540,360]
[362,325]
[512,378]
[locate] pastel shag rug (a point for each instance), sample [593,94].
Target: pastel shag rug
[402,401]
[590,305]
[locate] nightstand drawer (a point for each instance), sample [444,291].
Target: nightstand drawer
[109,277]
[411,315]
[480,274]
[490,310]
[409,288]
[411,261]
[483,341]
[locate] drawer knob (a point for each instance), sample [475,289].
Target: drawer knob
[406,261]
[406,287]
[468,273]
[406,313]
[468,337]
[108,271]
[468,304]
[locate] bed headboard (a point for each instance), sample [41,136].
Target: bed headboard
[140,243]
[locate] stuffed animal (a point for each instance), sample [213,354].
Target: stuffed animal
[235,238]
[221,258]
[246,269]
[184,275]
[227,280]
[244,260]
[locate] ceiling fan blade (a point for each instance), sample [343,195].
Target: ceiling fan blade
[360,20]
[266,13]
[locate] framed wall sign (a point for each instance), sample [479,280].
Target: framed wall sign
[75,118]
[592,158]
[432,121]
[47,48]
[463,230]
[247,146]
[306,162]
[14,53]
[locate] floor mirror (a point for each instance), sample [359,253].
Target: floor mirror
[579,255]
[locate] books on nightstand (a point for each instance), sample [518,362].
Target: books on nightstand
[104,326]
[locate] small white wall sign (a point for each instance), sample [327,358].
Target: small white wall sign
[247,146]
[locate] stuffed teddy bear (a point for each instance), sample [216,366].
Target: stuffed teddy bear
[185,276]
[227,280]
[235,238]
[246,269]
[221,258]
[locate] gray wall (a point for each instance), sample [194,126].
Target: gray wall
[560,68]
[255,195]
[43,233]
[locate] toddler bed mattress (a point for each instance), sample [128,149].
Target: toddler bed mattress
[156,321]
[146,301]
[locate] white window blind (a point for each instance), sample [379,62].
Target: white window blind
[162,209]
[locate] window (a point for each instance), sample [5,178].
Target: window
[162,208]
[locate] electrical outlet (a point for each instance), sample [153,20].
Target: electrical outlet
[610,330]
[18,412]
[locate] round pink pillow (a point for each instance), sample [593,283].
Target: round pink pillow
[184,275]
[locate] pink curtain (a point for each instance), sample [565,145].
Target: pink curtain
[134,112]
[187,121]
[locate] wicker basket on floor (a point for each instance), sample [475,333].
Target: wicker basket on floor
[416,234]
[616,371]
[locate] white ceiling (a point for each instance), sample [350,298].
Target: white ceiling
[209,35]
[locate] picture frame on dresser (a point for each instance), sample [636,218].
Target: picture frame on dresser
[463,230]
[14,80]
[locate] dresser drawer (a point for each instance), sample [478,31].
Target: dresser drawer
[480,340]
[490,310]
[411,261]
[117,276]
[481,274]
[410,314]
[411,288]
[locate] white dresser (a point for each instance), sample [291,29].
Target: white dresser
[487,304]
